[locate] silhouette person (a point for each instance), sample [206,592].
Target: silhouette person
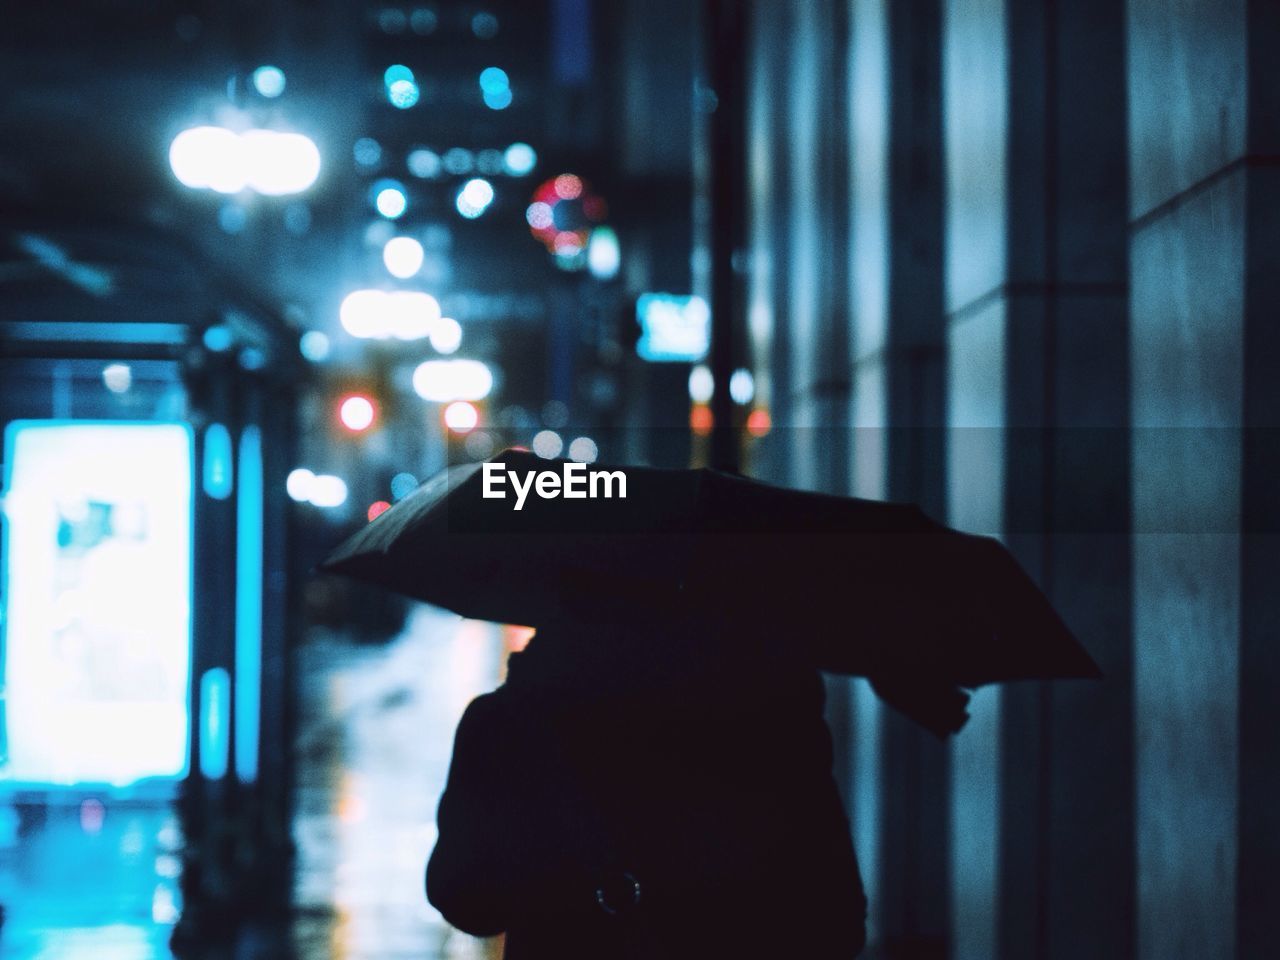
[648,793]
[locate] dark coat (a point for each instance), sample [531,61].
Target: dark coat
[695,776]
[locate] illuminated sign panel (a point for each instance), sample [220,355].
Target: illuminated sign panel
[97,602]
[673,328]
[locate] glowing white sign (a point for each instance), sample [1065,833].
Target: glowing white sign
[97,588]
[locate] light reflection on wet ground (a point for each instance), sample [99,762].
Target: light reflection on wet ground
[376,732]
[87,880]
[375,735]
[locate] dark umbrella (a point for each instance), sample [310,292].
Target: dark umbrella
[864,587]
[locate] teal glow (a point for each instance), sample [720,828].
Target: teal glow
[403,94]
[248,658]
[395,73]
[215,720]
[217,476]
[494,80]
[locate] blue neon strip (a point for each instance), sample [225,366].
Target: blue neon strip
[174,334]
[215,716]
[249,519]
[217,462]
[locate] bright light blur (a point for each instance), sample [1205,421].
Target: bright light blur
[701,420]
[208,157]
[568,186]
[702,384]
[218,338]
[403,257]
[673,327]
[461,416]
[547,444]
[742,386]
[390,200]
[299,484]
[279,164]
[495,86]
[539,215]
[446,335]
[474,198]
[327,491]
[497,100]
[584,450]
[269,81]
[395,73]
[314,346]
[519,159]
[97,578]
[402,94]
[383,314]
[117,377]
[218,479]
[443,381]
[604,257]
[377,509]
[266,161]
[356,413]
[494,79]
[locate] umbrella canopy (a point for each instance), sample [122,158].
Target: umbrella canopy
[861,587]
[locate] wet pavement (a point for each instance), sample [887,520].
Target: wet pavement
[99,881]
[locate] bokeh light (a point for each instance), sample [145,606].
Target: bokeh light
[604,256]
[367,152]
[356,413]
[547,444]
[494,80]
[474,198]
[269,162]
[759,423]
[327,491]
[377,509]
[701,421]
[269,81]
[441,381]
[117,377]
[382,314]
[702,384]
[403,94]
[389,199]
[395,73]
[299,484]
[742,386]
[446,335]
[461,416]
[403,484]
[424,163]
[402,257]
[484,25]
[584,450]
[519,159]
[314,346]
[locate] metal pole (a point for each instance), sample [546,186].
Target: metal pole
[724,68]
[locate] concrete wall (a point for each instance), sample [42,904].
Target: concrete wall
[1202,151]
[1037,303]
